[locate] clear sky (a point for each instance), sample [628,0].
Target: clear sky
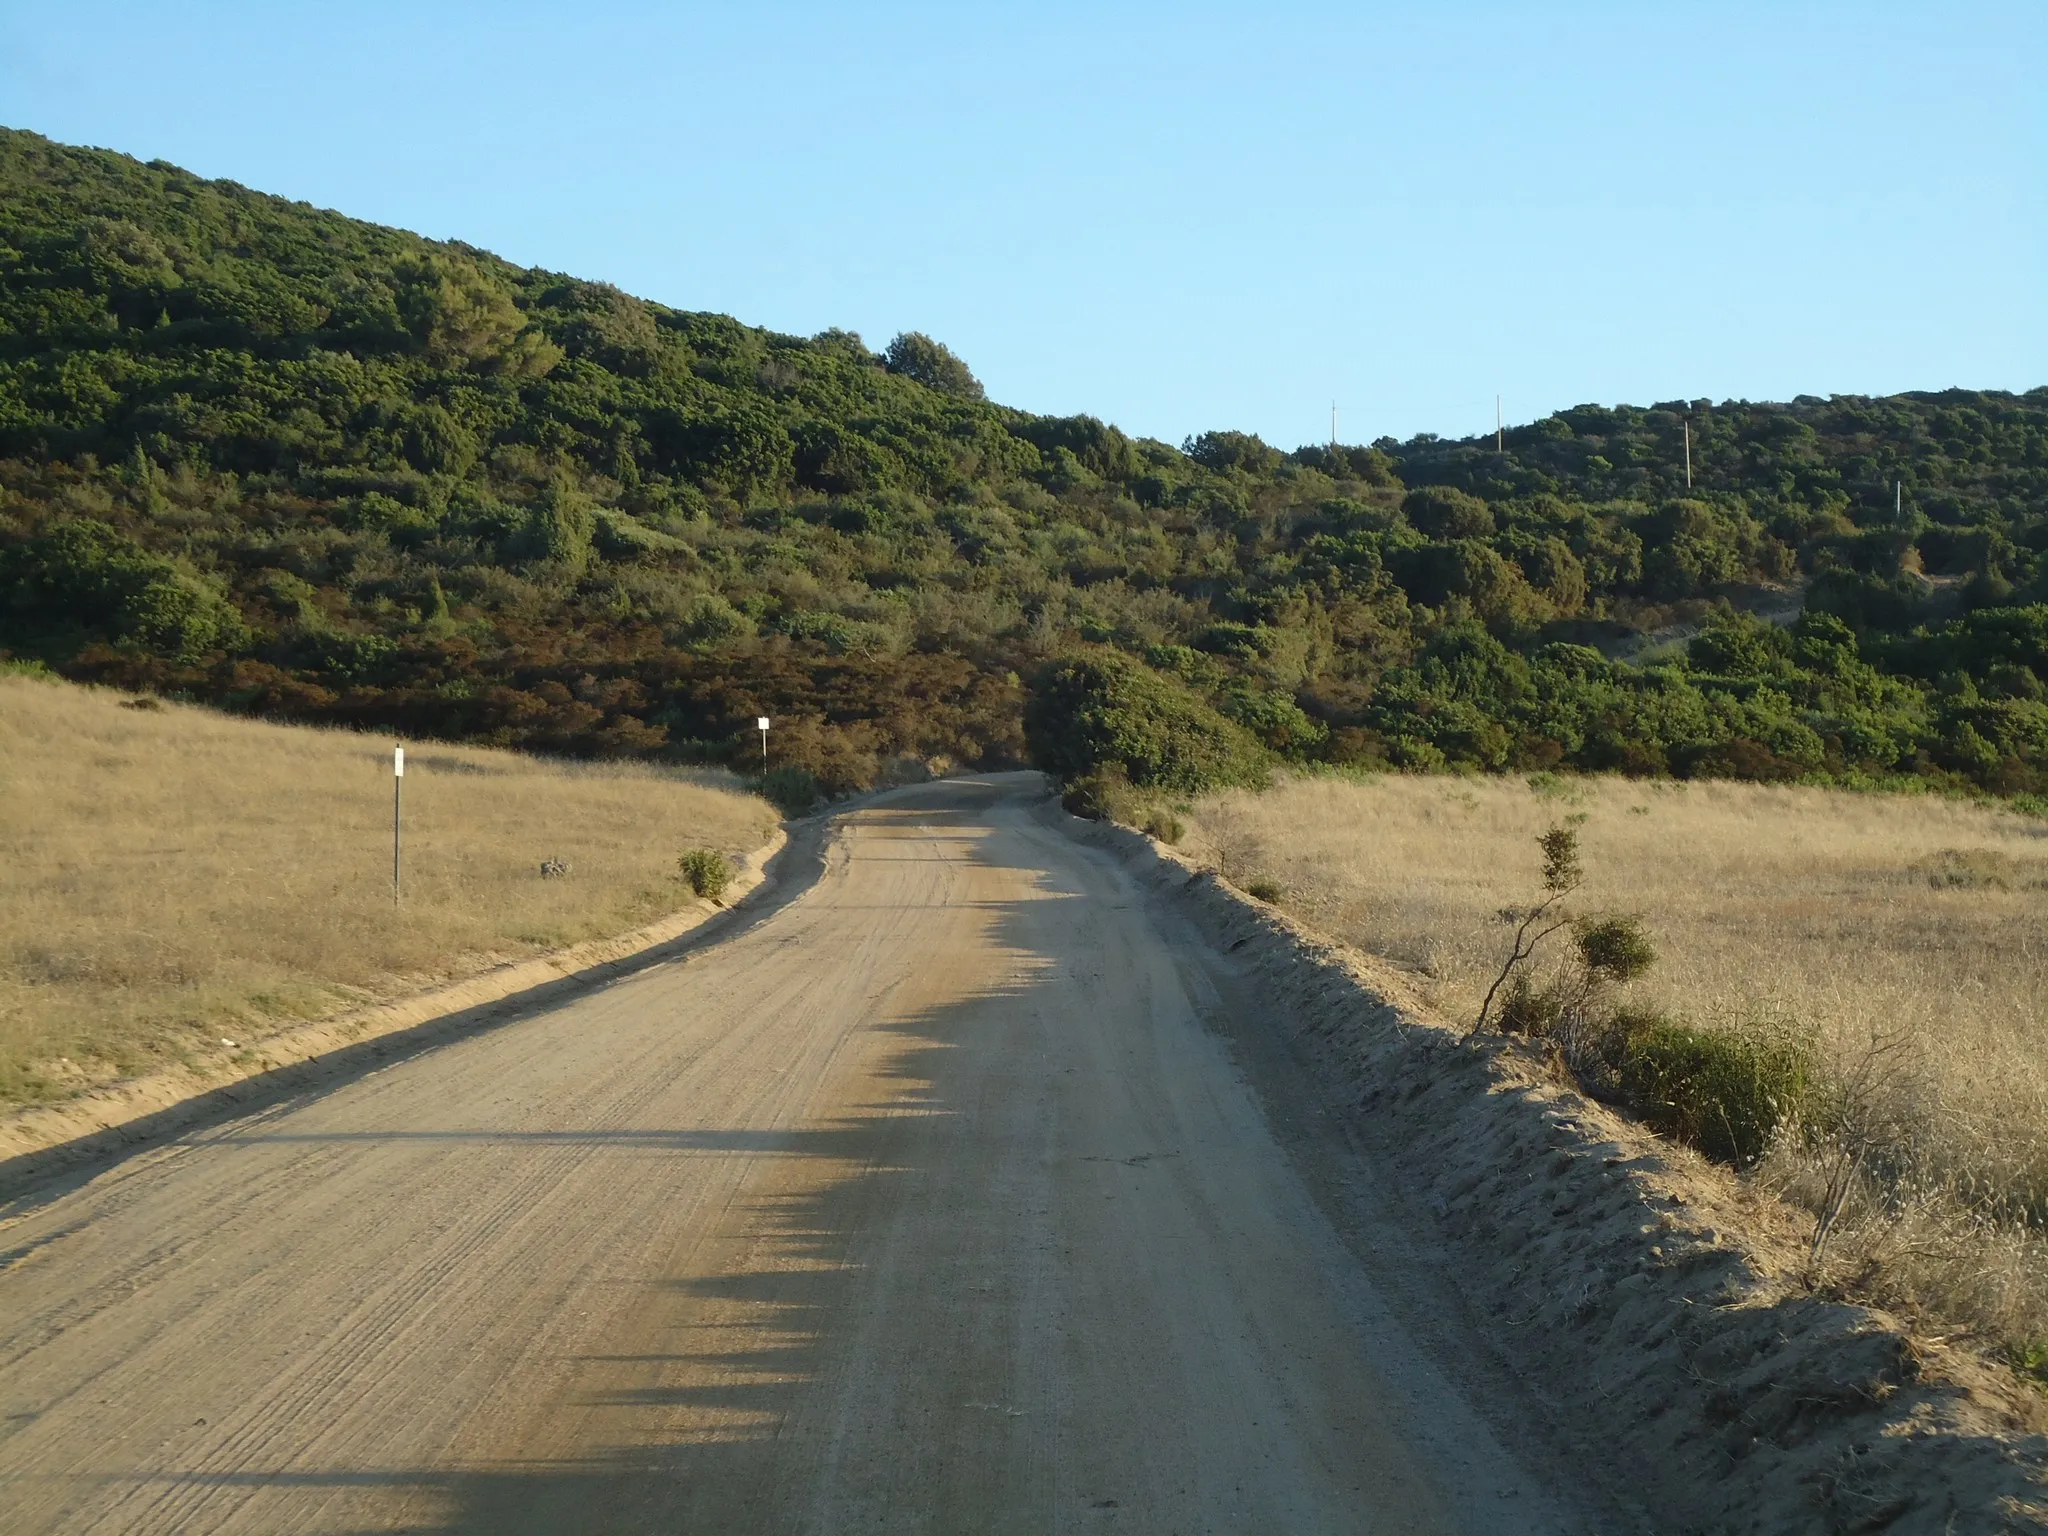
[1181,217]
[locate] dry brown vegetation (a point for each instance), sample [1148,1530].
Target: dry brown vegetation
[174,876]
[1902,935]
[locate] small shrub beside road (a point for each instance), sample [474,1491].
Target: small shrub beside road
[707,872]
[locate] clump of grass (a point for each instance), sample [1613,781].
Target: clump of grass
[706,871]
[1164,825]
[1974,869]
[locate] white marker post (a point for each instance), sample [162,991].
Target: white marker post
[397,791]
[761,725]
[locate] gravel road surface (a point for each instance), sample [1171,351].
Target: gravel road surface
[942,1196]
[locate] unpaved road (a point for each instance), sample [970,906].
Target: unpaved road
[932,1201]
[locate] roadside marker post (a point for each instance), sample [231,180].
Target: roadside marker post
[761,725]
[397,795]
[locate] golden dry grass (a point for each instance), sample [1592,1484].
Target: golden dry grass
[1911,920]
[173,874]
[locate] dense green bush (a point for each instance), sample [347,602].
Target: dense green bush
[1101,709]
[1725,1091]
[706,871]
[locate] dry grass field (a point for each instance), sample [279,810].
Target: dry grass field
[174,875]
[1903,935]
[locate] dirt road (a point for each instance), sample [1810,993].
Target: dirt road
[935,1200]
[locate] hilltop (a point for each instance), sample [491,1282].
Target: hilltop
[294,464]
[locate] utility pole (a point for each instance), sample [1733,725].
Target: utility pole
[397,797]
[1333,424]
[1500,437]
[1898,501]
[1688,454]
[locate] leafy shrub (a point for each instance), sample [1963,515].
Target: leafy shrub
[1264,890]
[1440,512]
[86,573]
[790,789]
[464,464]
[1724,1091]
[916,356]
[1613,949]
[707,872]
[1103,710]
[1530,1010]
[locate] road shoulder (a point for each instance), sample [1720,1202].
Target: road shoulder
[1631,1289]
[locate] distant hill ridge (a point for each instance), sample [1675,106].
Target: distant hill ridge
[302,465]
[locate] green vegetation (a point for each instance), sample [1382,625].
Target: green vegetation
[1725,1091]
[303,466]
[1102,707]
[706,871]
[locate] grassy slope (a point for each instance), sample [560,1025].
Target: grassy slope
[174,875]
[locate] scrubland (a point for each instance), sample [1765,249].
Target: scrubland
[1901,936]
[176,876]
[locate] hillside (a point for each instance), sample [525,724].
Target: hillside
[291,463]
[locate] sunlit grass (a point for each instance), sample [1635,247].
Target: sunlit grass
[175,875]
[1908,920]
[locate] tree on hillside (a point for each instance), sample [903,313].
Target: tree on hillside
[460,317]
[1232,450]
[916,356]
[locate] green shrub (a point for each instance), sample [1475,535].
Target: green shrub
[790,789]
[1613,949]
[1724,1091]
[86,573]
[1264,890]
[1101,710]
[707,872]
[1533,1011]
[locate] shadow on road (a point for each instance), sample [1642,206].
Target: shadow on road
[729,1409]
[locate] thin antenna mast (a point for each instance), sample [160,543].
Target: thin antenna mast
[1333,423]
[1688,454]
[1500,439]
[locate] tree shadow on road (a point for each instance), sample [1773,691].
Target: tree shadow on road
[747,1394]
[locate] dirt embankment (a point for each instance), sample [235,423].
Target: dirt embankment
[1641,1289]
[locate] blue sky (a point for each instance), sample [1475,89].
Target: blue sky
[1176,218]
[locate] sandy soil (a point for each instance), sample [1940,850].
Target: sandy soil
[948,1196]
